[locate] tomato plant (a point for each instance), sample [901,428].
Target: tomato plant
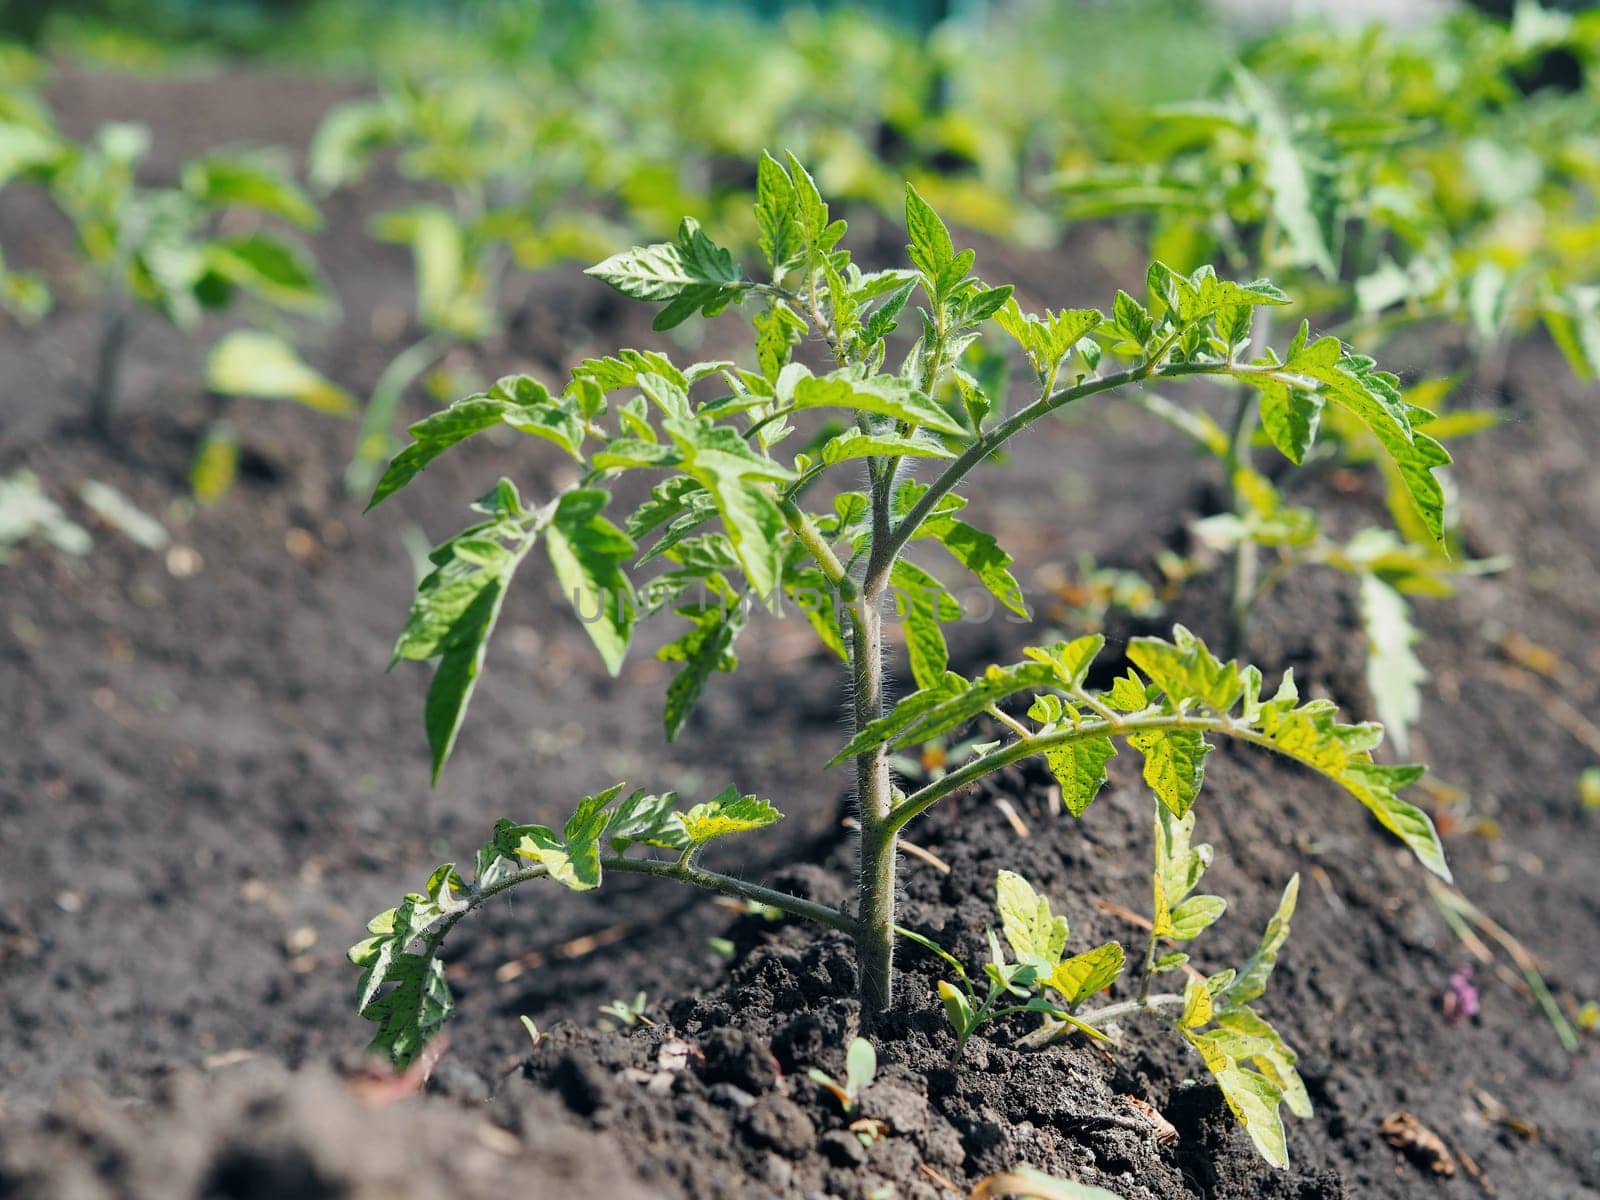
[733,528]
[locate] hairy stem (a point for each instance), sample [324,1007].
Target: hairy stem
[874,787]
[1242,589]
[875,799]
[1246,555]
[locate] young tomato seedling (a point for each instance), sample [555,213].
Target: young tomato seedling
[731,527]
[170,250]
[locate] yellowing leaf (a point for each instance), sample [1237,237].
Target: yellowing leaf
[1030,929]
[727,813]
[1082,975]
[247,363]
[1196,1005]
[1080,769]
[1174,765]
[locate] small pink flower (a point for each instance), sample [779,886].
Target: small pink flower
[1460,999]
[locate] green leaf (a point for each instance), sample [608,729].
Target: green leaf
[1179,866]
[24,149]
[668,499]
[1196,1005]
[692,272]
[1394,673]
[247,363]
[215,464]
[1290,416]
[1252,1097]
[1193,917]
[1070,660]
[1080,769]
[455,610]
[706,648]
[344,143]
[575,868]
[517,401]
[249,183]
[854,443]
[1291,184]
[778,332]
[1342,752]
[404,992]
[1084,975]
[1203,295]
[736,476]
[1132,318]
[530,410]
[1373,397]
[943,706]
[24,294]
[1174,765]
[777,215]
[1274,1059]
[922,602]
[860,1065]
[979,552]
[957,1008]
[269,268]
[1030,929]
[1127,694]
[931,249]
[647,820]
[821,235]
[587,551]
[1573,320]
[727,813]
[1049,339]
[854,389]
[447,287]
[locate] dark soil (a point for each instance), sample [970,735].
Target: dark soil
[207,785]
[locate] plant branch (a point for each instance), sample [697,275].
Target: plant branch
[1160,1002]
[714,881]
[811,538]
[925,797]
[884,553]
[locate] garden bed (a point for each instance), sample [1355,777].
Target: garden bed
[207,784]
